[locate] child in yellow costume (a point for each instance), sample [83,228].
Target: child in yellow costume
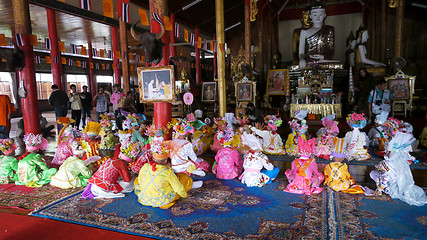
[157,185]
[336,173]
[299,127]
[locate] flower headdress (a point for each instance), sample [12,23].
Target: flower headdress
[133,120]
[183,127]
[331,126]
[77,148]
[356,120]
[242,120]
[391,126]
[7,146]
[251,141]
[305,147]
[35,142]
[128,149]
[159,149]
[219,122]
[225,137]
[105,121]
[230,119]
[298,125]
[273,121]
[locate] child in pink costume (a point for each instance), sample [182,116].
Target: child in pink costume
[324,141]
[304,178]
[228,163]
[221,127]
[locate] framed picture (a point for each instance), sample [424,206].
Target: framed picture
[156,84]
[244,92]
[399,88]
[209,92]
[276,80]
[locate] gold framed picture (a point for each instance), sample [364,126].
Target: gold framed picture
[276,81]
[244,92]
[156,84]
[209,92]
[399,88]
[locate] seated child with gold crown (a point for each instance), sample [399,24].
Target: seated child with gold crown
[157,185]
[299,128]
[336,173]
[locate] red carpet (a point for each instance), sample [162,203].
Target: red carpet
[19,227]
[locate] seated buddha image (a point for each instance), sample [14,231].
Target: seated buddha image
[317,42]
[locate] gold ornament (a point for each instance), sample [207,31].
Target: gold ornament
[393,3]
[254,10]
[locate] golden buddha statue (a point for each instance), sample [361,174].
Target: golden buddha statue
[317,42]
[305,24]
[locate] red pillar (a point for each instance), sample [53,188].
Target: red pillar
[198,70]
[55,55]
[91,73]
[162,111]
[214,59]
[115,42]
[30,108]
[172,49]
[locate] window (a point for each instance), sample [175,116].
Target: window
[6,85]
[44,83]
[106,82]
[78,80]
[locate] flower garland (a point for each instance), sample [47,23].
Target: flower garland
[33,140]
[6,144]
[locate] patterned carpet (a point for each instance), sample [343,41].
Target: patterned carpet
[227,209]
[22,197]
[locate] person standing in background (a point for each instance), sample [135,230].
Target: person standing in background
[115,97]
[6,109]
[86,99]
[102,100]
[59,101]
[76,105]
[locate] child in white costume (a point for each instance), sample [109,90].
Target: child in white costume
[271,141]
[356,140]
[393,175]
[253,163]
[377,135]
[182,155]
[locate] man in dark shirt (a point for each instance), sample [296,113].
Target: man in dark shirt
[253,113]
[86,99]
[59,101]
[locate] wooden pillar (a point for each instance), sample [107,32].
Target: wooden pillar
[400,12]
[30,108]
[172,49]
[247,32]
[215,68]
[55,55]
[260,44]
[373,28]
[115,47]
[220,39]
[92,83]
[162,111]
[198,70]
[383,30]
[124,55]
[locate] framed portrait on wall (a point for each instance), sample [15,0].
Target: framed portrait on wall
[399,88]
[244,92]
[276,81]
[209,92]
[156,84]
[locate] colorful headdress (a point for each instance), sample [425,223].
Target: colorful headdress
[64,121]
[93,129]
[225,137]
[401,142]
[338,147]
[230,119]
[273,121]
[305,147]
[159,149]
[35,142]
[391,126]
[183,127]
[105,121]
[128,149]
[242,120]
[219,122]
[381,118]
[298,125]
[7,146]
[331,126]
[356,120]
[301,114]
[77,148]
[132,120]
